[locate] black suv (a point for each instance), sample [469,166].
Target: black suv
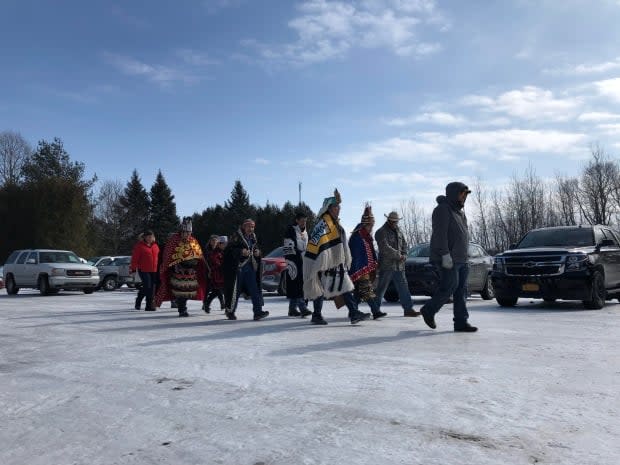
[568,262]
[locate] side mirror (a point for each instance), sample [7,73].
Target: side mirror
[513,246]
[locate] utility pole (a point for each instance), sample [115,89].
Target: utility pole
[299,193]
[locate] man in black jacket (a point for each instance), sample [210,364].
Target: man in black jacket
[449,244]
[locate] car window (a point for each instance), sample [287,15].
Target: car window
[105,262]
[124,261]
[33,256]
[608,235]
[22,258]
[598,236]
[558,237]
[12,257]
[58,257]
[92,260]
[275,253]
[421,250]
[473,251]
[616,235]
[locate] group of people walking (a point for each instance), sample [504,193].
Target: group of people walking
[321,265]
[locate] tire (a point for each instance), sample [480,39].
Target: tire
[507,301]
[488,292]
[109,283]
[282,284]
[44,285]
[598,292]
[88,291]
[11,287]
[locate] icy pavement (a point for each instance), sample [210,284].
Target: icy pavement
[85,379]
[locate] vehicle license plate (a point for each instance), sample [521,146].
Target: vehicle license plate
[530,287]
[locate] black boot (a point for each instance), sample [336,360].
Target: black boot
[466,328]
[149,305]
[428,319]
[230,315]
[293,312]
[317,319]
[205,307]
[305,312]
[138,302]
[260,315]
[411,312]
[378,315]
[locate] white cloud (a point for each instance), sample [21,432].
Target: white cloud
[469,164]
[611,129]
[327,29]
[160,74]
[609,88]
[528,103]
[437,117]
[597,116]
[261,161]
[585,68]
[195,57]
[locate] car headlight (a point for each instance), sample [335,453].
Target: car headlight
[58,271]
[95,272]
[498,264]
[576,262]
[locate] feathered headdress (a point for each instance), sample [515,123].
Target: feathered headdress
[329,201]
[367,216]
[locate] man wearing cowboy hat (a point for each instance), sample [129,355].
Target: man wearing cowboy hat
[392,255]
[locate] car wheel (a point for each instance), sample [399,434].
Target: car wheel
[44,285]
[88,291]
[11,287]
[598,292]
[282,285]
[507,301]
[488,292]
[109,283]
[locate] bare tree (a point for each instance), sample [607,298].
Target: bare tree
[480,225]
[14,151]
[566,202]
[109,214]
[598,187]
[415,223]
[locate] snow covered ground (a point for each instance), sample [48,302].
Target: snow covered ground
[85,379]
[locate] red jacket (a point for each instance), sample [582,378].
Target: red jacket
[144,257]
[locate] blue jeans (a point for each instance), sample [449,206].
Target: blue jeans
[400,282]
[149,281]
[374,304]
[298,303]
[349,300]
[246,280]
[452,283]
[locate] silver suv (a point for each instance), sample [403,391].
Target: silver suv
[49,271]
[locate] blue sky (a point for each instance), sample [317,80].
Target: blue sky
[387,100]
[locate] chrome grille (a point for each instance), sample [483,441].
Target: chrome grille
[534,265]
[78,272]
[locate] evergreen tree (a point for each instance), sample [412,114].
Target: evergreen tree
[134,204]
[163,217]
[238,208]
[51,208]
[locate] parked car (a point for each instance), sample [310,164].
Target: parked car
[116,273]
[49,271]
[569,263]
[272,277]
[1,278]
[101,261]
[423,276]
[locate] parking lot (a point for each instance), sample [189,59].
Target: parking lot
[88,380]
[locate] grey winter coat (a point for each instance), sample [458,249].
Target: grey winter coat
[392,245]
[450,233]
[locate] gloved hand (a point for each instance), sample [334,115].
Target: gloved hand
[446,261]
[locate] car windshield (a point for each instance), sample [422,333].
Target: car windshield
[275,253]
[58,257]
[570,237]
[422,250]
[92,260]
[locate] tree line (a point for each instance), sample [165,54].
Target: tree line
[46,201]
[502,216]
